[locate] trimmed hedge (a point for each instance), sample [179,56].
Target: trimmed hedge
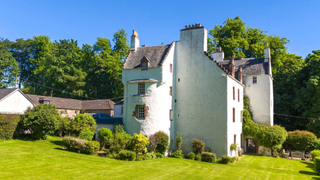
[314,154]
[127,155]
[8,125]
[300,140]
[208,157]
[317,164]
[80,145]
[225,160]
[92,147]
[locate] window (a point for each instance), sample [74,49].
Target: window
[234,114]
[170,91]
[121,110]
[141,88]
[254,80]
[171,68]
[234,93]
[238,95]
[141,112]
[235,139]
[241,116]
[144,66]
[170,114]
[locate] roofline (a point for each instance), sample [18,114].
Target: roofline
[193,28]
[165,57]
[23,94]
[236,80]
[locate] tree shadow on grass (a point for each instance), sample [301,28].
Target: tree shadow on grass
[309,164]
[308,173]
[59,143]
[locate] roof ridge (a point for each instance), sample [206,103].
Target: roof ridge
[166,55]
[53,97]
[218,64]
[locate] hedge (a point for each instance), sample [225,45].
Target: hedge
[314,154]
[300,140]
[80,145]
[208,157]
[127,155]
[317,164]
[8,125]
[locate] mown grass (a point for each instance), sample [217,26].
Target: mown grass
[46,160]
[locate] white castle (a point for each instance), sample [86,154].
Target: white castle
[181,88]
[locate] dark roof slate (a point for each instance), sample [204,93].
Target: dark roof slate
[6,92]
[110,120]
[155,54]
[250,66]
[97,104]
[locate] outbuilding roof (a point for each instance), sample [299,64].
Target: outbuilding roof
[155,55]
[250,66]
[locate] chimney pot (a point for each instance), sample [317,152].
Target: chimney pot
[186,26]
[135,42]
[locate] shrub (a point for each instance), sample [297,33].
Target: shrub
[179,140]
[233,147]
[163,143]
[118,129]
[138,143]
[208,157]
[127,155]
[159,155]
[80,122]
[154,141]
[41,120]
[207,149]
[191,155]
[86,134]
[315,153]
[225,160]
[197,157]
[91,147]
[63,125]
[177,154]
[74,144]
[153,155]
[8,125]
[300,140]
[104,135]
[119,142]
[268,136]
[317,164]
[147,156]
[198,146]
[233,159]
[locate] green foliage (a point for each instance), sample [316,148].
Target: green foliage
[63,125]
[118,129]
[91,147]
[154,141]
[104,135]
[239,152]
[233,147]
[314,154]
[191,155]
[300,140]
[317,165]
[8,125]
[268,136]
[225,160]
[159,155]
[163,143]
[208,157]
[198,146]
[86,134]
[138,143]
[42,120]
[179,140]
[127,155]
[197,157]
[119,142]
[177,154]
[82,121]
[233,159]
[74,144]
[207,149]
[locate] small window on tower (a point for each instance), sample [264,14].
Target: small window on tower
[171,68]
[141,112]
[254,80]
[141,88]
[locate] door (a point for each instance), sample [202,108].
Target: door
[251,146]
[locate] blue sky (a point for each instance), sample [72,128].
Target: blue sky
[158,21]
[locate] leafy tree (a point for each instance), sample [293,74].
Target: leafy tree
[119,142]
[41,120]
[9,68]
[63,125]
[86,134]
[105,135]
[118,129]
[300,140]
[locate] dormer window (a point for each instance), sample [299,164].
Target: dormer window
[144,66]
[144,63]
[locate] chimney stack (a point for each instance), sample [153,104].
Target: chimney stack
[240,74]
[267,55]
[232,67]
[134,41]
[218,55]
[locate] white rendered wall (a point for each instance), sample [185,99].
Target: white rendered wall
[157,99]
[117,110]
[15,103]
[201,108]
[234,128]
[261,98]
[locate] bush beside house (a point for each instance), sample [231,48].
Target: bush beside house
[300,140]
[8,125]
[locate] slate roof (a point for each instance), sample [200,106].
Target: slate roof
[110,120]
[155,54]
[5,92]
[250,66]
[120,102]
[66,103]
[97,104]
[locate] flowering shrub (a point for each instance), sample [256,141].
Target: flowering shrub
[138,143]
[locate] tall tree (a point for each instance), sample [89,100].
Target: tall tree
[9,68]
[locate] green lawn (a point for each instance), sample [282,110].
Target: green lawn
[46,160]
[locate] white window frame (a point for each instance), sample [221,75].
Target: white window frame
[141,88]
